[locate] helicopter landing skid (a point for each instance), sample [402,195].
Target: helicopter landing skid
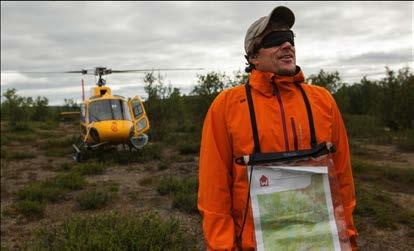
[80,150]
[96,145]
[76,148]
[77,154]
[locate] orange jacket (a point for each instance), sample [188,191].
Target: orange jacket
[283,125]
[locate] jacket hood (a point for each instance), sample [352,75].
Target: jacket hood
[262,81]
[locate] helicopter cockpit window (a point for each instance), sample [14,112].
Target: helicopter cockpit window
[109,109]
[137,108]
[125,110]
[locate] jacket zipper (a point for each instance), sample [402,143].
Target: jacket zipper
[295,136]
[282,112]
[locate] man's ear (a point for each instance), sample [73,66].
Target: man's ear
[253,59]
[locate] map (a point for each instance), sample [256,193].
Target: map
[292,209]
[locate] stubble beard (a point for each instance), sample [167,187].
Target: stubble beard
[286,72]
[283,71]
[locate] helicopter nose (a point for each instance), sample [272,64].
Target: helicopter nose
[113,131]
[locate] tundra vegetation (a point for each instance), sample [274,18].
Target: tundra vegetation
[146,200]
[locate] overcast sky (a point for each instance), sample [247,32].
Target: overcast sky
[354,38]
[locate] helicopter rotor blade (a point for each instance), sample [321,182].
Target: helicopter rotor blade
[161,69]
[48,72]
[82,71]
[103,71]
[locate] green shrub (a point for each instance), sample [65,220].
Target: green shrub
[133,195]
[358,148]
[4,153]
[40,192]
[151,151]
[90,168]
[5,248]
[378,206]
[21,126]
[66,166]
[186,202]
[406,142]
[185,198]
[71,181]
[29,208]
[58,152]
[145,231]
[23,137]
[59,147]
[20,155]
[51,189]
[187,159]
[168,185]
[162,165]
[5,139]
[148,181]
[176,158]
[48,125]
[148,167]
[394,179]
[188,147]
[93,199]
[32,197]
[367,127]
[183,191]
[49,134]
[112,186]
[59,143]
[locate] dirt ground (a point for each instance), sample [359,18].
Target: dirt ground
[131,197]
[134,197]
[390,155]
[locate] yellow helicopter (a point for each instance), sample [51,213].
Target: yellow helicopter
[109,119]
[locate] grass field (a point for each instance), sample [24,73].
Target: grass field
[146,201]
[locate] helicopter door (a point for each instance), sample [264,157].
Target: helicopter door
[139,116]
[139,139]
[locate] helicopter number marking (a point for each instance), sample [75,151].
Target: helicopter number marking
[114,127]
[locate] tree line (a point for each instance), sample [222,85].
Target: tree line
[390,100]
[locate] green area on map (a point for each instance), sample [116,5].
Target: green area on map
[296,219]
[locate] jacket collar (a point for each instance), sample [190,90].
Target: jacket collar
[262,81]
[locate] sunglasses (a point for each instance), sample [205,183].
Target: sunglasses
[277,38]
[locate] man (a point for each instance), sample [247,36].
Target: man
[282,123]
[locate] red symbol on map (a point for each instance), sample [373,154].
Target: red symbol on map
[114,127]
[264,181]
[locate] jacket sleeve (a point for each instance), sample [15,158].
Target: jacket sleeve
[342,164]
[215,179]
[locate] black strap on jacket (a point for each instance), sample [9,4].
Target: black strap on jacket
[263,158]
[253,119]
[313,142]
[310,116]
[256,150]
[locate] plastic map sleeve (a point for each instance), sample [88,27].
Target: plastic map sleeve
[292,208]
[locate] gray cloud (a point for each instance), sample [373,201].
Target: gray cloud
[355,38]
[380,57]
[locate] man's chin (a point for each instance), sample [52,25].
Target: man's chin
[289,71]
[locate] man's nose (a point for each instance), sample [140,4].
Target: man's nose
[286,45]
